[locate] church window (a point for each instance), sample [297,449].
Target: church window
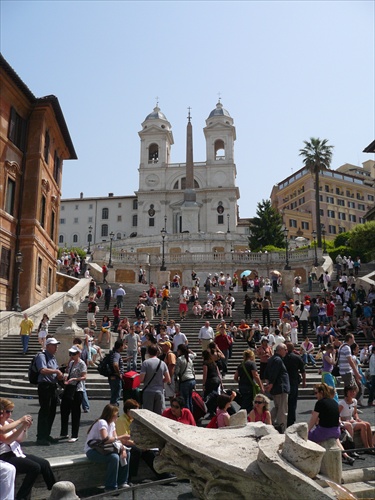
[61,238]
[135,221]
[220,219]
[135,204]
[182,183]
[153,153]
[176,185]
[219,150]
[151,222]
[75,238]
[104,230]
[118,236]
[105,213]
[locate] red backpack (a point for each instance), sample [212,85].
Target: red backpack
[212,424]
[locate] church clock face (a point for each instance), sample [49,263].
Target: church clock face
[152,180]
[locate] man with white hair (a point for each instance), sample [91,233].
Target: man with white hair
[119,295]
[178,338]
[279,386]
[206,335]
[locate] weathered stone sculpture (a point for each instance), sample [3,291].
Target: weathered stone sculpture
[253,461]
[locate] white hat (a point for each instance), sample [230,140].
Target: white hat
[75,349]
[52,341]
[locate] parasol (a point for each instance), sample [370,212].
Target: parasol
[245,273]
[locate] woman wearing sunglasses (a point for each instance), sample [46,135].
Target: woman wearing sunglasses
[261,412]
[71,401]
[11,451]
[178,412]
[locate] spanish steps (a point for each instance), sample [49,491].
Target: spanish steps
[14,366]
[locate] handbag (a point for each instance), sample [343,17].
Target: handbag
[256,388]
[148,383]
[104,448]
[336,370]
[69,389]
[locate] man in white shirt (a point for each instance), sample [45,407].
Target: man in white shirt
[206,335]
[119,295]
[179,338]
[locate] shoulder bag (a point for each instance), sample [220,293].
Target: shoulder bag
[336,370]
[256,388]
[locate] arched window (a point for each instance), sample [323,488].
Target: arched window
[118,236]
[61,238]
[153,153]
[75,238]
[105,213]
[182,183]
[219,150]
[104,230]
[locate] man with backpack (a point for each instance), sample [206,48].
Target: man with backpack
[49,374]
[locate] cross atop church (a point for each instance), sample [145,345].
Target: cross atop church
[219,96]
[189,115]
[157,101]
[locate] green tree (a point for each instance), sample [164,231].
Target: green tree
[362,239]
[266,228]
[317,156]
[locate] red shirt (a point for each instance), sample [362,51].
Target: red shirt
[223,342]
[186,416]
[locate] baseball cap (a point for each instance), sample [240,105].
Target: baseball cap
[52,341]
[166,343]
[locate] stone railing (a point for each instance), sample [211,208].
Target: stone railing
[53,305]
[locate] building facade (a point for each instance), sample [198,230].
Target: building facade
[346,194]
[34,142]
[197,200]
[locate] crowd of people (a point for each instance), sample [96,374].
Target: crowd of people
[167,369]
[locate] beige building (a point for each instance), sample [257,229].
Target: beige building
[346,194]
[34,141]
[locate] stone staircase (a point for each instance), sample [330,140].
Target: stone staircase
[14,365]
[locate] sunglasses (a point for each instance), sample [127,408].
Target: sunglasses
[6,411]
[258,402]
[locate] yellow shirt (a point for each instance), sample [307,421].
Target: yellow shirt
[123,425]
[26,326]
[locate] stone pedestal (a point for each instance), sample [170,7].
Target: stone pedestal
[67,332]
[163,277]
[288,283]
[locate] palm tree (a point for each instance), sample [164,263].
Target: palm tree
[317,156]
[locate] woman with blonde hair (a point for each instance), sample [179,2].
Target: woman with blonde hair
[261,411]
[249,382]
[325,419]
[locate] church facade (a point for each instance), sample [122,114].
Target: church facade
[196,203]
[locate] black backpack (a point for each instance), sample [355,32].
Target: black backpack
[105,367]
[33,372]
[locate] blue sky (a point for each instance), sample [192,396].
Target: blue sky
[286,71]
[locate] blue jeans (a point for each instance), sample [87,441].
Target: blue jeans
[132,362]
[116,474]
[115,385]
[186,390]
[308,357]
[85,399]
[25,343]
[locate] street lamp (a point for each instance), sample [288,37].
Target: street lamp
[316,254]
[162,267]
[228,230]
[287,266]
[19,258]
[324,239]
[111,236]
[89,240]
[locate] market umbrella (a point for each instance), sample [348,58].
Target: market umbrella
[245,273]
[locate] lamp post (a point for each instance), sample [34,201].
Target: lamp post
[287,266]
[111,236]
[19,258]
[324,239]
[316,254]
[89,240]
[228,230]
[162,267]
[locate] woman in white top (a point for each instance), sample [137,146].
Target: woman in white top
[349,416]
[105,429]
[43,331]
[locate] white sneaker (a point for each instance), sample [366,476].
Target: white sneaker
[72,440]
[124,485]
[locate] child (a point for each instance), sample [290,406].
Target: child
[224,401]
